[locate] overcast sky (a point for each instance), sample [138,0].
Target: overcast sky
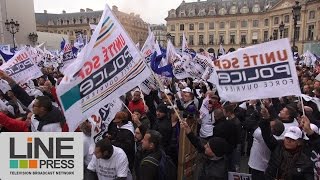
[151,11]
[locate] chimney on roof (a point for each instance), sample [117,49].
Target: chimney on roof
[64,12]
[132,14]
[82,10]
[114,8]
[88,10]
[45,11]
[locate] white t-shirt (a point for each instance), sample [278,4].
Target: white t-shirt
[259,153]
[116,166]
[206,129]
[88,149]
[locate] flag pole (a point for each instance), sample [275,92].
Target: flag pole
[126,107]
[302,104]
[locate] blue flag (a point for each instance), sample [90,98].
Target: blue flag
[6,56]
[155,62]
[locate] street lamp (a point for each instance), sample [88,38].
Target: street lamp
[13,28]
[296,13]
[281,28]
[33,37]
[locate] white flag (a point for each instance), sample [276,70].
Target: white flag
[221,50]
[105,69]
[21,67]
[101,120]
[262,71]
[184,43]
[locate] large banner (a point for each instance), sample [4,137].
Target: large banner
[105,69]
[21,67]
[262,71]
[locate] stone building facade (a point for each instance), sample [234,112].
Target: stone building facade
[72,23]
[240,23]
[160,33]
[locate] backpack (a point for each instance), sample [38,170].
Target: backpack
[167,169]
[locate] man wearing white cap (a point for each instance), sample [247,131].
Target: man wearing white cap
[288,159]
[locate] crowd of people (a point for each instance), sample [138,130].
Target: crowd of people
[279,135]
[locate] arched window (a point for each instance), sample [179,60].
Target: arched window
[61,21]
[74,21]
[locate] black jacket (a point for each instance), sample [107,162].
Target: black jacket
[163,126]
[228,131]
[54,116]
[124,139]
[148,169]
[210,169]
[137,160]
[301,168]
[21,94]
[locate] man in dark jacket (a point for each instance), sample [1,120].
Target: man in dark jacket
[215,163]
[288,160]
[234,157]
[163,125]
[151,144]
[225,129]
[124,136]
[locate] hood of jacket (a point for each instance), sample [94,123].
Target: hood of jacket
[128,126]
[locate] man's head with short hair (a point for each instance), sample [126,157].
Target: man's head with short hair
[136,96]
[218,114]
[228,109]
[41,81]
[103,149]
[277,127]
[151,140]
[288,113]
[42,105]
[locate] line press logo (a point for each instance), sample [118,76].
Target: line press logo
[32,158]
[42,155]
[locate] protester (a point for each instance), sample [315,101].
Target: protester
[124,136]
[215,163]
[149,165]
[287,160]
[108,162]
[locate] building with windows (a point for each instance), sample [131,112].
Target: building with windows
[241,23]
[160,33]
[73,23]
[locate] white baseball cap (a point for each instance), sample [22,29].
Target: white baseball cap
[187,90]
[294,133]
